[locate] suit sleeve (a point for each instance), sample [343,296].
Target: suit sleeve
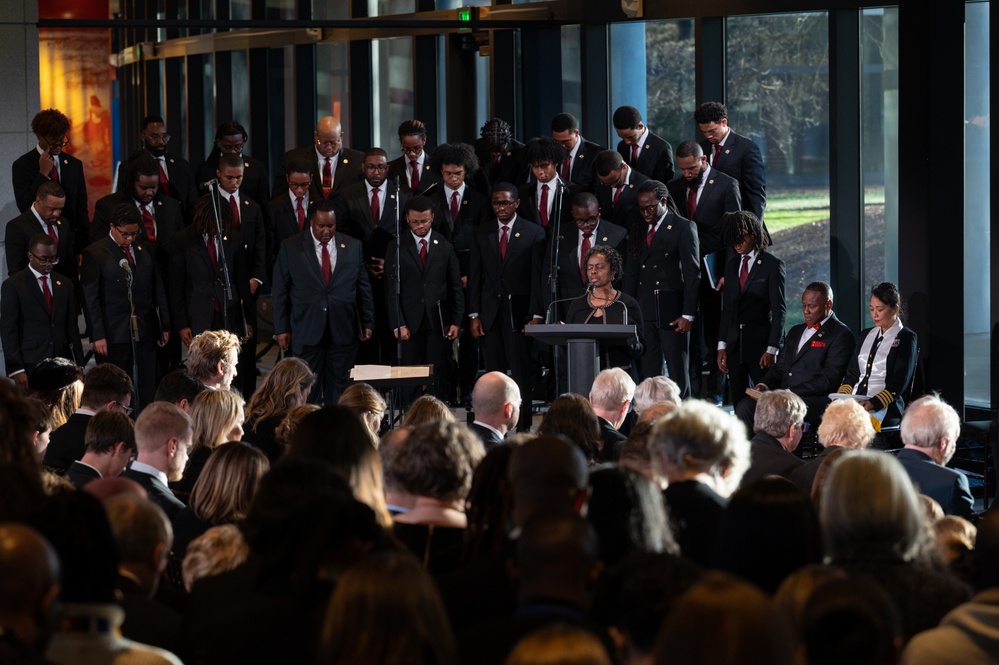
[365,298]
[733,199]
[730,294]
[455,292]
[81,215]
[26,182]
[775,375]
[16,248]
[73,331]
[691,266]
[852,368]
[10,313]
[754,180]
[281,291]
[778,307]
[902,369]
[962,502]
[90,285]
[664,165]
[392,304]
[261,195]
[178,284]
[102,221]
[837,359]
[538,281]
[475,276]
[160,299]
[258,261]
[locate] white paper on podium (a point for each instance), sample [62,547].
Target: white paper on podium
[376,372]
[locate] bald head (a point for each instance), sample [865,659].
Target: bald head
[29,581]
[546,473]
[496,401]
[328,123]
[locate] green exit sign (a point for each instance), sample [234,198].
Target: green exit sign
[465,14]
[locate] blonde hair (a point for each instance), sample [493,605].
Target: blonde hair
[289,423]
[158,423]
[215,413]
[62,402]
[427,409]
[207,350]
[216,551]
[845,423]
[954,536]
[559,644]
[226,487]
[366,402]
[281,391]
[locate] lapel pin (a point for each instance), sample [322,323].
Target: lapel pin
[669,227]
[171,160]
[759,262]
[435,241]
[345,161]
[604,239]
[516,235]
[727,151]
[711,182]
[58,283]
[508,154]
[246,164]
[159,203]
[343,246]
[391,196]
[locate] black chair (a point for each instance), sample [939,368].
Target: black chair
[889,439]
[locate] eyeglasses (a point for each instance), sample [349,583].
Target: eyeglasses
[124,409]
[651,210]
[232,148]
[159,137]
[45,260]
[329,144]
[412,151]
[126,234]
[377,168]
[504,204]
[58,144]
[588,220]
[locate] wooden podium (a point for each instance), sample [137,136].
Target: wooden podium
[583,342]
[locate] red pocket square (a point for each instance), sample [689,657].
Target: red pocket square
[818,345]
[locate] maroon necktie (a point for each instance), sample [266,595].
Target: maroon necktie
[583,249]
[128,254]
[44,279]
[327,178]
[650,235]
[454,207]
[691,202]
[148,223]
[376,214]
[414,178]
[496,158]
[213,253]
[744,273]
[300,212]
[54,235]
[54,174]
[164,180]
[634,153]
[543,207]
[617,194]
[503,241]
[327,266]
[234,204]
[423,251]
[718,149]
[567,168]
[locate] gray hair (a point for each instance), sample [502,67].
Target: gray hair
[612,388]
[929,419]
[777,410]
[656,389]
[845,423]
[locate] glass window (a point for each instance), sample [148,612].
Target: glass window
[778,95]
[669,62]
[392,73]
[332,85]
[388,7]
[977,212]
[572,74]
[241,93]
[879,148]
[280,9]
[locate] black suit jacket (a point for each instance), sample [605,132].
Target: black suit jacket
[17,237]
[195,286]
[719,195]
[515,278]
[900,366]
[512,166]
[180,175]
[582,174]
[66,443]
[281,223]
[29,332]
[105,294]
[612,441]
[255,181]
[169,220]
[356,219]
[655,159]
[741,158]
[948,487]
[817,369]
[530,204]
[80,474]
[804,475]
[696,512]
[570,282]
[399,167]
[27,179]
[768,458]
[474,208]
[158,493]
[347,171]
[432,297]
[304,305]
[625,212]
[489,437]
[668,266]
[753,319]
[253,235]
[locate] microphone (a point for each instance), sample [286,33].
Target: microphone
[208,183]
[432,187]
[127,268]
[548,312]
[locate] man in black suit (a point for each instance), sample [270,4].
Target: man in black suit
[105,388]
[230,139]
[368,211]
[175,175]
[109,443]
[112,267]
[777,429]
[546,199]
[504,289]
[414,169]
[577,168]
[663,275]
[703,195]
[287,214]
[322,301]
[427,314]
[47,162]
[38,314]
[617,189]
[751,331]
[500,155]
[815,356]
[930,429]
[734,155]
[164,436]
[333,166]
[610,396]
[44,216]
[496,405]
[647,153]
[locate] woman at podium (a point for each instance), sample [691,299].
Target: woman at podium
[603,304]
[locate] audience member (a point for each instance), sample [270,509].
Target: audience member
[487,508]
[559,644]
[367,403]
[286,430]
[163,437]
[571,416]
[216,551]
[109,444]
[397,500]
[58,383]
[218,417]
[655,389]
[955,539]
[42,422]
[212,358]
[844,424]
[611,396]
[850,621]
[180,388]
[778,422]
[427,409]
[285,387]
[496,404]
[798,588]
[29,589]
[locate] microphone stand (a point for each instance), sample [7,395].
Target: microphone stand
[224,277]
[134,325]
[396,397]
[553,272]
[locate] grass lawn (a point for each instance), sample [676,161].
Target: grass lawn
[786,210]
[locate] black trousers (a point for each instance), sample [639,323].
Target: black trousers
[666,346]
[503,349]
[331,364]
[121,355]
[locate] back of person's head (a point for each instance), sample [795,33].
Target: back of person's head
[768,531]
[557,557]
[636,594]
[611,388]
[699,437]
[141,529]
[724,621]
[207,350]
[822,473]
[158,423]
[845,423]
[655,389]
[103,384]
[286,386]
[559,644]
[491,392]
[797,589]
[216,551]
[16,428]
[289,424]
[984,572]
[487,507]
[427,409]
[851,621]
[628,513]
[776,411]
[178,387]
[215,414]
[386,610]
[226,486]
[366,402]
[438,461]
[869,506]
[546,472]
[107,429]
[954,537]
[570,415]
[29,583]
[627,117]
[928,420]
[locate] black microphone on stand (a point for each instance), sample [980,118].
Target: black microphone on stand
[589,290]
